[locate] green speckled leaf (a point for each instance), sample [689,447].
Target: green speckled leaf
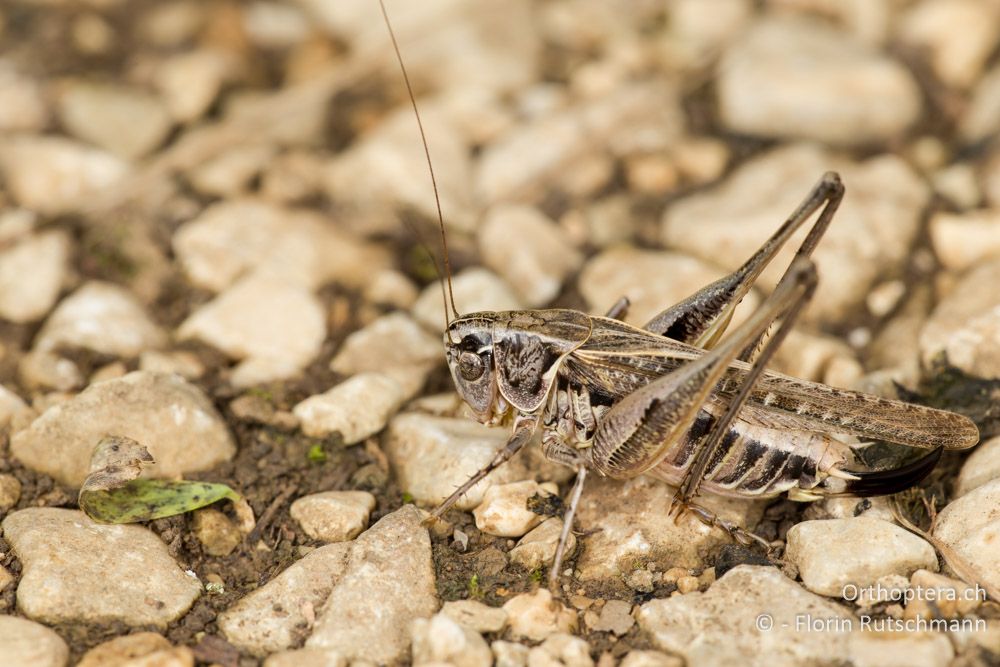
[147,499]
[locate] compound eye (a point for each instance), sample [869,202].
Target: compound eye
[470,366]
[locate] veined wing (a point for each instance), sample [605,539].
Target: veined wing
[619,358]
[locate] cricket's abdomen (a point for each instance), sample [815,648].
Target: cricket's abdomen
[755,461]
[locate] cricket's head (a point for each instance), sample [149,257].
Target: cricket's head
[510,359]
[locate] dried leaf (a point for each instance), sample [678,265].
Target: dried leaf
[112,492]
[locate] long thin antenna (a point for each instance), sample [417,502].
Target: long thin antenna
[427,154]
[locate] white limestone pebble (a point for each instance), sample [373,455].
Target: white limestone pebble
[333,516]
[982,466]
[190,81]
[32,271]
[537,615]
[432,456]
[11,407]
[280,613]
[440,639]
[900,649]
[24,104]
[394,345]
[389,582]
[529,250]
[561,650]
[874,228]
[52,175]
[761,607]
[24,643]
[615,616]
[504,511]
[102,317]
[965,325]
[538,547]
[274,328]
[387,170]
[171,417]
[128,122]
[958,37]
[509,654]
[475,615]
[356,408]
[962,240]
[971,526]
[632,530]
[79,571]
[651,659]
[237,238]
[839,557]
[306,657]
[475,289]
[786,78]
[138,648]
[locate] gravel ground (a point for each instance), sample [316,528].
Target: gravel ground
[210,222]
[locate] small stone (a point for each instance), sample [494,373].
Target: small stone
[885,297]
[847,507]
[509,654]
[393,345]
[279,614]
[49,371]
[172,418]
[957,183]
[475,615]
[6,578]
[536,616]
[241,322]
[615,617]
[140,648]
[53,175]
[634,118]
[431,456]
[840,556]
[785,78]
[293,177]
[217,532]
[637,274]
[971,525]
[650,659]
[633,534]
[701,159]
[760,604]
[32,271]
[538,548]
[504,511]
[641,580]
[185,364]
[961,241]
[231,173]
[982,466]
[938,596]
[238,238]
[391,288]
[957,35]
[388,583]
[128,122]
[866,241]
[981,119]
[24,105]
[272,25]
[475,290]
[11,407]
[687,584]
[333,516]
[79,571]
[24,643]
[561,650]
[440,639]
[529,250]
[115,369]
[102,317]
[905,649]
[190,82]
[965,325]
[387,170]
[10,491]
[308,657]
[356,408]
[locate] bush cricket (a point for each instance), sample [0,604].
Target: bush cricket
[677,398]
